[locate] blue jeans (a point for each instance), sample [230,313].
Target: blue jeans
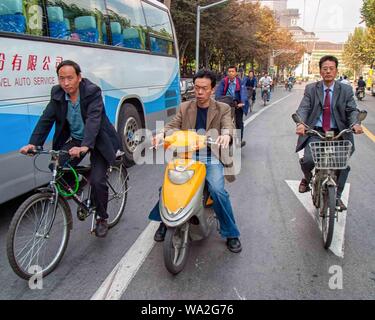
[222,205]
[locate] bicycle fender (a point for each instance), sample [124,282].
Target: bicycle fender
[44,190]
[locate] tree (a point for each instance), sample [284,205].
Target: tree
[355,50]
[233,33]
[368,12]
[369,46]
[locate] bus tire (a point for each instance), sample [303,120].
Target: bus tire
[129,122]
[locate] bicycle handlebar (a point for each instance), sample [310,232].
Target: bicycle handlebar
[315,132]
[296,118]
[51,152]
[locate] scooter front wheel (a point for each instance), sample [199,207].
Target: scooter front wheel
[176,248]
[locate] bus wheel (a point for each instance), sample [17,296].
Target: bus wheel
[129,124]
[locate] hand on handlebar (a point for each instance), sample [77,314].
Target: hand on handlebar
[301,129]
[357,129]
[223,140]
[157,140]
[77,152]
[26,149]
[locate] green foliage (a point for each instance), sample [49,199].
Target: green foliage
[232,33]
[368,12]
[359,49]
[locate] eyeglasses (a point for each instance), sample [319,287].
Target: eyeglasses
[325,69]
[198,88]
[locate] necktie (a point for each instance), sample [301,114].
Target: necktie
[327,112]
[230,88]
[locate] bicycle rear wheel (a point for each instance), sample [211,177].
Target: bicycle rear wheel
[117,182]
[328,215]
[37,238]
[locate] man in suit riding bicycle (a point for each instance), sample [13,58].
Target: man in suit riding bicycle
[76,108]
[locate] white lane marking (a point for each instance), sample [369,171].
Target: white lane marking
[118,280]
[238,295]
[264,109]
[337,245]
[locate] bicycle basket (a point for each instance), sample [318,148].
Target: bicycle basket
[331,154]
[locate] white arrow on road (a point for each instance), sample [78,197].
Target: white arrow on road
[337,245]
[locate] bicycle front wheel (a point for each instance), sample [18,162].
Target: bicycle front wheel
[328,215]
[117,182]
[38,235]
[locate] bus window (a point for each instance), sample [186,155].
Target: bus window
[86,29]
[80,21]
[56,23]
[34,17]
[116,31]
[160,29]
[128,13]
[11,16]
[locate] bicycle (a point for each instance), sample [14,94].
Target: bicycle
[250,98]
[39,231]
[265,93]
[329,155]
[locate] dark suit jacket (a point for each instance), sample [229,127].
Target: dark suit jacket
[344,108]
[99,133]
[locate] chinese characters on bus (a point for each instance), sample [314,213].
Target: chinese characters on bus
[15,63]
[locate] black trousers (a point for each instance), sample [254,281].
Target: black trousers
[238,114]
[97,179]
[307,164]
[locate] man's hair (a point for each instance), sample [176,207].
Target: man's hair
[328,58]
[208,74]
[232,67]
[345,77]
[71,63]
[360,77]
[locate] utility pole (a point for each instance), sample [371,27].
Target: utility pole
[167,3]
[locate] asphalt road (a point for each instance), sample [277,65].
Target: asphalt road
[282,256]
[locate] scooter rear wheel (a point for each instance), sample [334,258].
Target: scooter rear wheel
[176,248]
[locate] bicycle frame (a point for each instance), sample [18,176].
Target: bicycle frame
[86,207]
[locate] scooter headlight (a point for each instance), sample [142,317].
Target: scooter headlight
[180,177]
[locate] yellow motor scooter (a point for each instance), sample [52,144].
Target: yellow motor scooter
[183,198]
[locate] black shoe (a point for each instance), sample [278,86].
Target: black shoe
[234,245]
[160,233]
[101,229]
[243,143]
[340,206]
[304,186]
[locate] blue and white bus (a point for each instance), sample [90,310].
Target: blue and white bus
[127,47]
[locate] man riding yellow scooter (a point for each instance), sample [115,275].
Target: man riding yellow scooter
[208,115]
